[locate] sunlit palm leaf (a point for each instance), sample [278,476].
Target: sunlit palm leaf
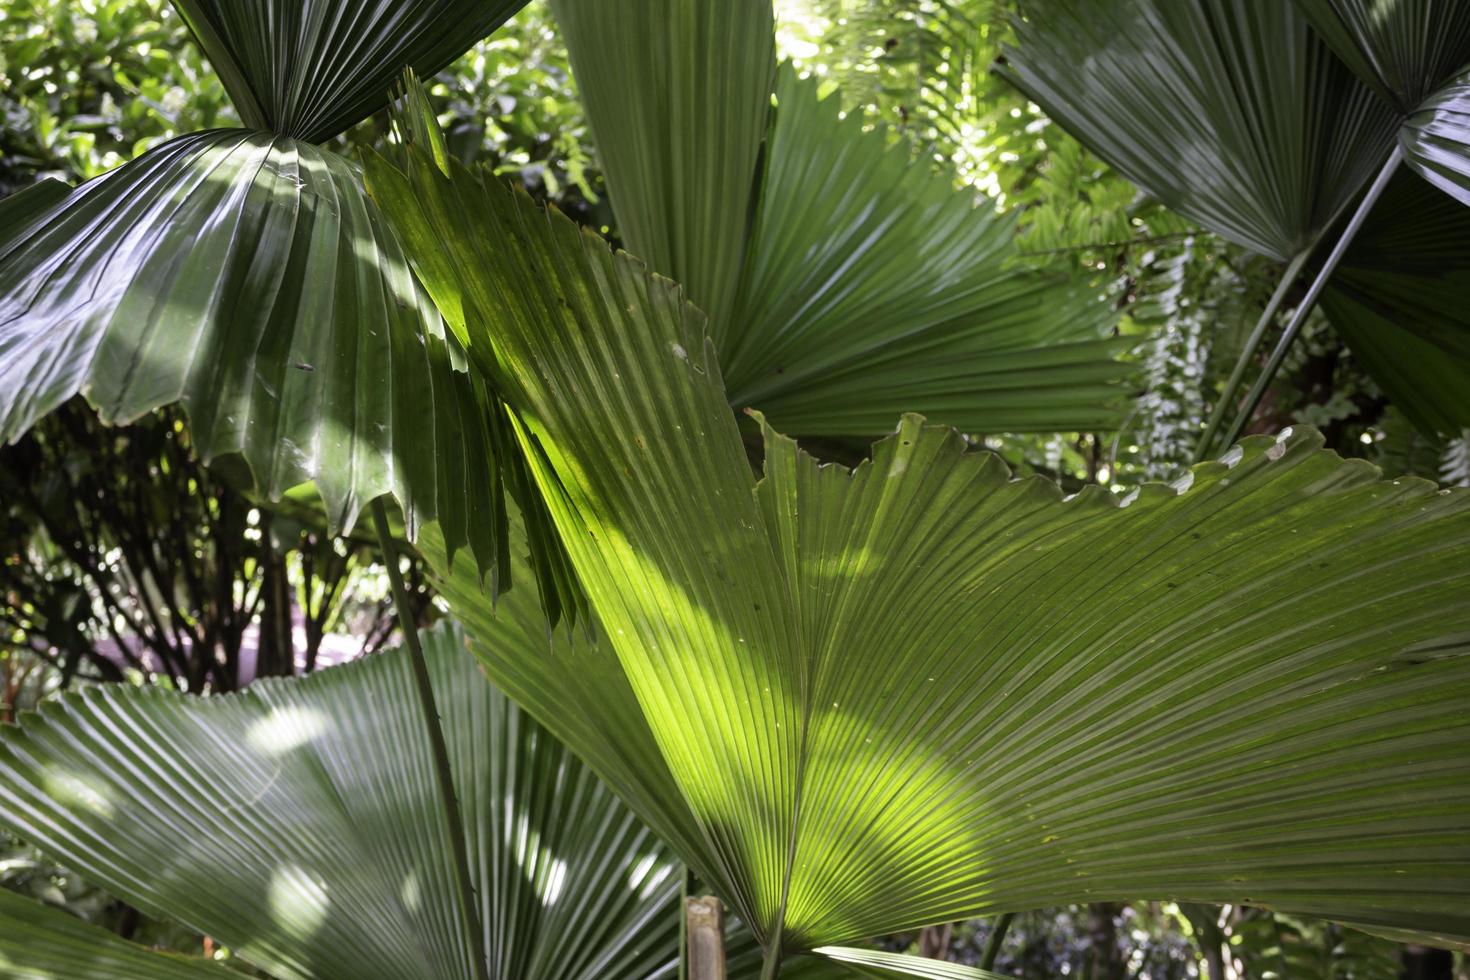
[870,284]
[311,70]
[41,943]
[1405,49]
[1231,112]
[298,824]
[248,277]
[910,694]
[1399,300]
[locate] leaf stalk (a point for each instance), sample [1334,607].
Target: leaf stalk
[444,774]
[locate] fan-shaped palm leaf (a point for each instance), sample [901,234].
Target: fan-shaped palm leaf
[297,824]
[1405,49]
[1231,112]
[312,70]
[905,694]
[1410,51]
[245,273]
[1236,114]
[846,281]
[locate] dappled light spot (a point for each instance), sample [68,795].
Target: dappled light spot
[286,729]
[298,901]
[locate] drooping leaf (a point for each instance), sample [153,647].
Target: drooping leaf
[1232,112]
[1405,49]
[1436,139]
[41,943]
[846,281]
[312,70]
[250,278]
[678,92]
[915,692]
[1399,300]
[873,287]
[298,824]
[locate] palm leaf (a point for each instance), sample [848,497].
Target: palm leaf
[246,274]
[41,943]
[876,963]
[297,824]
[1410,51]
[845,280]
[678,92]
[1405,49]
[248,277]
[1231,112]
[1398,300]
[1436,139]
[870,728]
[873,288]
[312,70]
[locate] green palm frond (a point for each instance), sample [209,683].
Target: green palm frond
[42,943]
[1405,49]
[313,847]
[1398,300]
[245,274]
[1436,139]
[312,70]
[846,281]
[1231,112]
[854,725]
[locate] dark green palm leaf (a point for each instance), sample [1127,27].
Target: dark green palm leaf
[873,287]
[1231,112]
[1399,301]
[248,277]
[311,70]
[866,728]
[1405,49]
[845,280]
[297,824]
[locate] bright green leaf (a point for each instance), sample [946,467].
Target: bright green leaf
[921,691]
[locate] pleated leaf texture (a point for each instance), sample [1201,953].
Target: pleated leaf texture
[1238,115]
[246,274]
[845,279]
[298,823]
[1232,112]
[1399,302]
[1415,53]
[311,69]
[921,691]
[1406,49]
[42,943]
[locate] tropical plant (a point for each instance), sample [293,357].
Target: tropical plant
[845,281]
[827,807]
[851,701]
[1284,138]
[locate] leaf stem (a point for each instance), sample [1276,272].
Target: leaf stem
[444,774]
[1258,390]
[996,939]
[1248,354]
